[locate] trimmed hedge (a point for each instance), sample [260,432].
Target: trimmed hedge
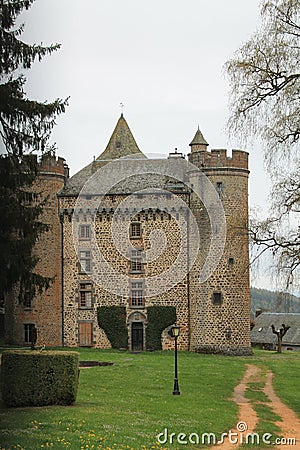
[159,318]
[33,378]
[112,319]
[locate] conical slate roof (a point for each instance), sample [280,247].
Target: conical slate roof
[121,143]
[199,139]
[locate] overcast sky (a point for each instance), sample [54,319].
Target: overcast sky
[163,59]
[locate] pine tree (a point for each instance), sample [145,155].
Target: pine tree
[25,128]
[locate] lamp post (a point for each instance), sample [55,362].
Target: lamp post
[175,332]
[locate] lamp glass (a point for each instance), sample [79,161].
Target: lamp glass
[175,331]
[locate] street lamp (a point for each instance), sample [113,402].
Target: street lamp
[175,332]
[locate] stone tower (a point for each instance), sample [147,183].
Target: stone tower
[44,311]
[220,306]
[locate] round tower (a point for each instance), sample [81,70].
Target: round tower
[45,310]
[220,307]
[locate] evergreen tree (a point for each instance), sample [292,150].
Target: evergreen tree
[25,127]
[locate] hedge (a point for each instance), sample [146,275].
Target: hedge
[159,318]
[112,319]
[33,378]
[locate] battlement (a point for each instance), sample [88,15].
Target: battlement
[218,158]
[50,164]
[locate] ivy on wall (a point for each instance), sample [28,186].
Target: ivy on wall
[112,319]
[159,317]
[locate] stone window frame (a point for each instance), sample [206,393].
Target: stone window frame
[139,291]
[85,290]
[84,232]
[136,230]
[220,188]
[136,264]
[28,300]
[27,327]
[86,260]
[217,297]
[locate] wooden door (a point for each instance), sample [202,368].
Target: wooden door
[85,334]
[137,337]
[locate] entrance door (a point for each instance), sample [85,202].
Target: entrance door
[137,337]
[85,334]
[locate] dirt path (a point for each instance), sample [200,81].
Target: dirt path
[289,423]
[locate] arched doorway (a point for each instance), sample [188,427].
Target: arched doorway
[136,330]
[137,336]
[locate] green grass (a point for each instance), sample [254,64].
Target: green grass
[126,405]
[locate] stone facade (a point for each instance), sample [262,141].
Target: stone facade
[213,315]
[45,310]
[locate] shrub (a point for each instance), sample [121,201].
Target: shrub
[33,378]
[216,350]
[159,318]
[112,319]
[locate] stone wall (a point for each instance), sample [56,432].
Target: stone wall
[101,225]
[220,308]
[45,310]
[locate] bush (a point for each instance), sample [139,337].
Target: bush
[112,319]
[33,378]
[216,350]
[159,318]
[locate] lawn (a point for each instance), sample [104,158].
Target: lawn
[126,405]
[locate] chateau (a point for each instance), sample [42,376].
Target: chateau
[137,244]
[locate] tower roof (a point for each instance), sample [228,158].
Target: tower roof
[199,139]
[121,143]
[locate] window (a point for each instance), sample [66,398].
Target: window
[219,188]
[85,295]
[27,302]
[217,298]
[84,231]
[135,230]
[85,260]
[136,261]
[27,331]
[137,293]
[85,334]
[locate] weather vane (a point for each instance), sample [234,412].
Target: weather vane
[122,107]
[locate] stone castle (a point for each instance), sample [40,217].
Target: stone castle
[135,233]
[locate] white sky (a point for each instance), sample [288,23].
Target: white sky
[162,58]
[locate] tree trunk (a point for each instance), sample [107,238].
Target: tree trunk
[279,344]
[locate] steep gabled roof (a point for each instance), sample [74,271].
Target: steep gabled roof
[121,143]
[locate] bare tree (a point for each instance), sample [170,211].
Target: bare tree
[280,333]
[264,81]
